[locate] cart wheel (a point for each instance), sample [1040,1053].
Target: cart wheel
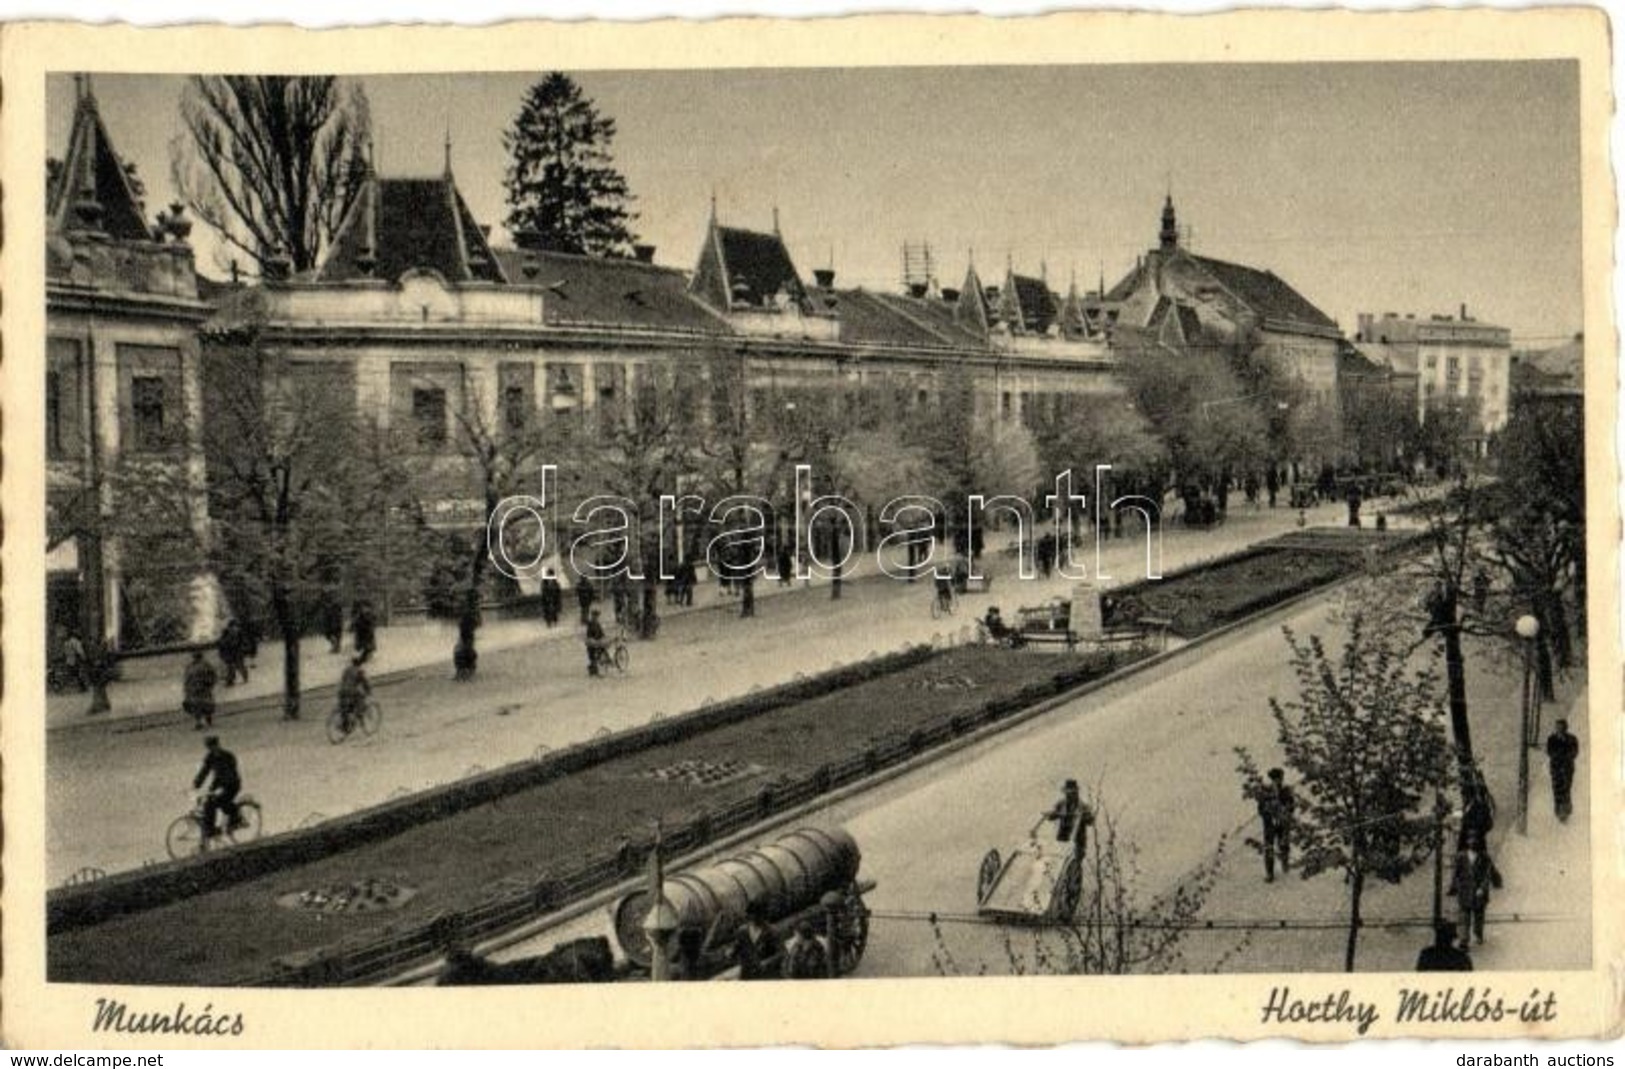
[1069,891]
[992,865]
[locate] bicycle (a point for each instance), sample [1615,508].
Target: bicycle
[614,652]
[366,719]
[944,604]
[185,835]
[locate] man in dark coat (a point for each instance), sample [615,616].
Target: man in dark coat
[333,623]
[1275,805]
[552,598]
[233,649]
[220,764]
[1562,750]
[199,690]
[366,632]
[585,596]
[1444,955]
[1071,815]
[1470,886]
[757,948]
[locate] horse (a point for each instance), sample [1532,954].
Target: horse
[580,961]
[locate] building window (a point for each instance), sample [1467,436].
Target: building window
[62,398]
[515,408]
[1004,404]
[429,416]
[1433,361]
[147,414]
[1452,369]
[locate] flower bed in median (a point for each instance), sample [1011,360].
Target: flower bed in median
[592,826]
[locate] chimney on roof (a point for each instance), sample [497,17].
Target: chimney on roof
[1464,318]
[824,277]
[644,254]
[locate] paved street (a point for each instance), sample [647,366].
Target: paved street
[1158,748]
[530,694]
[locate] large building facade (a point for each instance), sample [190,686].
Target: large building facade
[1454,358]
[123,406]
[419,317]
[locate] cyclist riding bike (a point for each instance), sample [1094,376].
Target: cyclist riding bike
[945,592]
[354,690]
[596,643]
[219,766]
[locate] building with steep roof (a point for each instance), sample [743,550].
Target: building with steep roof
[1179,298]
[422,318]
[123,402]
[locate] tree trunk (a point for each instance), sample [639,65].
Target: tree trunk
[1356,889]
[290,629]
[1456,677]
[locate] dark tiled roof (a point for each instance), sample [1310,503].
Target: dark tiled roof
[939,317]
[592,290]
[1125,286]
[1267,295]
[1038,309]
[411,224]
[758,266]
[883,319]
[91,156]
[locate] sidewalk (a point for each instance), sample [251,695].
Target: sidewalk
[404,650]
[424,648]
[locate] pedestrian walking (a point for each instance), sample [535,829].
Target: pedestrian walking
[1444,955]
[1562,750]
[619,592]
[786,572]
[1275,805]
[1470,886]
[552,598]
[585,596]
[1272,483]
[747,595]
[366,631]
[75,665]
[686,580]
[198,691]
[333,623]
[232,646]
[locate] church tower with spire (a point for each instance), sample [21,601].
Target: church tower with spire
[1168,238]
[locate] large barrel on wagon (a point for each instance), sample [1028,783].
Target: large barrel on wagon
[784,877]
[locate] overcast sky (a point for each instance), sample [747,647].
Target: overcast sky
[1368,187]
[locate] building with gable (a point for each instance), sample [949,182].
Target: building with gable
[123,402]
[418,315]
[1176,298]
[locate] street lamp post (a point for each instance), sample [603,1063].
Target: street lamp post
[1527,628]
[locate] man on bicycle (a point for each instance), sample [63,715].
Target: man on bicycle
[220,764]
[945,591]
[354,690]
[596,643]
